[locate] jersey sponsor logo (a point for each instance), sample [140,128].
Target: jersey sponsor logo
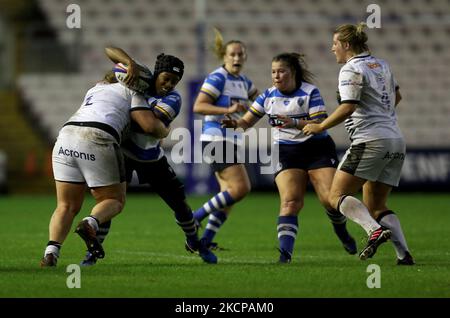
[274,121]
[373,65]
[394,155]
[76,154]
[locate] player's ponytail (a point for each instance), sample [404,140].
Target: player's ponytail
[220,48]
[354,35]
[110,77]
[360,34]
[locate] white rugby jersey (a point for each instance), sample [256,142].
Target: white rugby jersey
[369,83]
[305,103]
[108,104]
[144,147]
[225,89]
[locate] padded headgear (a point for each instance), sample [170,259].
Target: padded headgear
[168,63]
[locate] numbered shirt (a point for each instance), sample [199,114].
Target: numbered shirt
[225,89]
[144,147]
[305,103]
[109,104]
[369,83]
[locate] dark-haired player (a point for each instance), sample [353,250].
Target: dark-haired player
[290,103]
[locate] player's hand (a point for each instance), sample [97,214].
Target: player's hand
[228,123]
[287,122]
[236,108]
[312,129]
[132,73]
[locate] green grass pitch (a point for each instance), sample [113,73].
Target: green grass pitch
[145,255]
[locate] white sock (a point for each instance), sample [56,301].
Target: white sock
[392,222]
[52,249]
[92,222]
[356,211]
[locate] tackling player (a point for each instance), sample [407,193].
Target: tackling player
[143,152]
[87,153]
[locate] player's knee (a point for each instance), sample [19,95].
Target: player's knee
[120,204]
[239,191]
[68,208]
[291,207]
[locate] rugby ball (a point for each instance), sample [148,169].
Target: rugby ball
[141,85]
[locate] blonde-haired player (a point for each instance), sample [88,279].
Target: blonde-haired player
[225,91]
[368,97]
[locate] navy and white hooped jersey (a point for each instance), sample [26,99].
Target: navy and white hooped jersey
[368,82]
[305,103]
[225,89]
[108,104]
[144,147]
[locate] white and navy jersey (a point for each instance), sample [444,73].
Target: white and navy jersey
[305,103]
[369,83]
[108,104]
[225,89]
[144,147]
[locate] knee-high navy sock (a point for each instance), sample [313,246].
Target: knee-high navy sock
[287,232]
[339,221]
[186,222]
[219,202]
[215,221]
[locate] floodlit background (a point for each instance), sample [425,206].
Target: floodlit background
[46,68]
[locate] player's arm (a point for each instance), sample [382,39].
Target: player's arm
[350,86]
[149,123]
[289,122]
[204,104]
[338,116]
[117,55]
[247,121]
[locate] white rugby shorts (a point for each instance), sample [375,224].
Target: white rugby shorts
[87,155]
[378,160]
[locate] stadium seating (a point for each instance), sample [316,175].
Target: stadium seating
[414,38]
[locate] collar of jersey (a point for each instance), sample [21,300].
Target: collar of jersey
[360,55]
